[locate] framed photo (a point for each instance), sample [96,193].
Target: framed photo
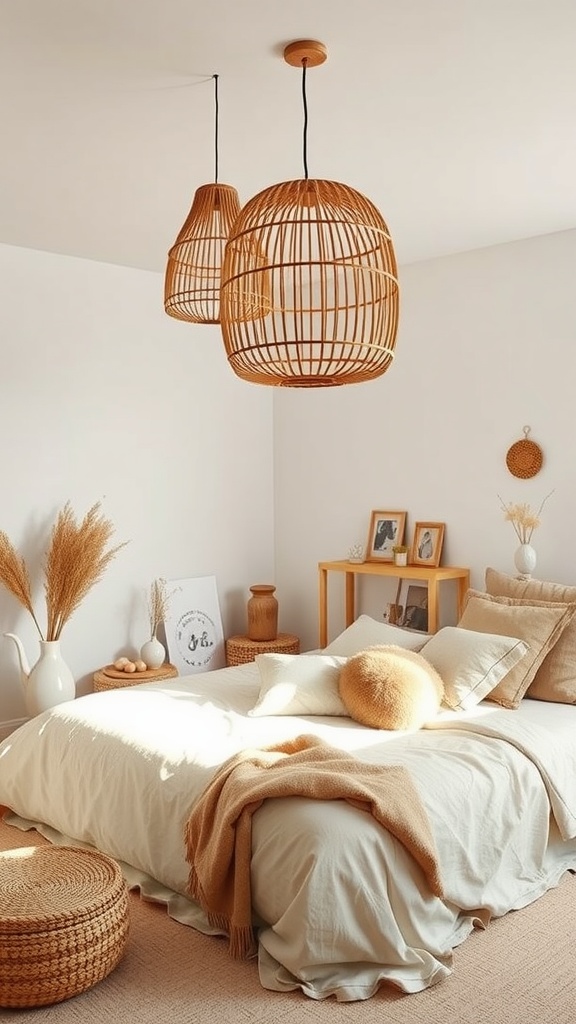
[193,625]
[427,544]
[416,609]
[386,530]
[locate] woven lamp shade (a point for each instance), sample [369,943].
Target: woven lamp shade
[323,291]
[192,283]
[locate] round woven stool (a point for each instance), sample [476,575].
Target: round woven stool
[241,649]
[63,922]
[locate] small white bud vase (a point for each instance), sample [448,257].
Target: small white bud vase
[525,560]
[400,558]
[153,653]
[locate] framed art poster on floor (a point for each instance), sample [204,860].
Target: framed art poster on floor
[416,609]
[193,625]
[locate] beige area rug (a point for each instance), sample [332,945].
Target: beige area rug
[522,970]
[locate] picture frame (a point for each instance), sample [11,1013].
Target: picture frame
[193,625]
[415,615]
[427,544]
[386,531]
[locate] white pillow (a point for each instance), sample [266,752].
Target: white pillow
[299,684]
[471,664]
[367,632]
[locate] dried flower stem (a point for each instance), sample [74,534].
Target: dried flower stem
[75,561]
[14,576]
[158,602]
[524,520]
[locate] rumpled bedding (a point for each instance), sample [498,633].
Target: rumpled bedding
[340,906]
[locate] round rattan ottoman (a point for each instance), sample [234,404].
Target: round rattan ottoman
[63,922]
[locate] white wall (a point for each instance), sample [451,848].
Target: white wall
[104,397]
[487,344]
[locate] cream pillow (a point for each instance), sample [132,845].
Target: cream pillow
[555,680]
[538,623]
[367,632]
[471,664]
[298,684]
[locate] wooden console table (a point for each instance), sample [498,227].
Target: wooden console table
[433,577]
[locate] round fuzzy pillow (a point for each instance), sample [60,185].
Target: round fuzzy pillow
[390,688]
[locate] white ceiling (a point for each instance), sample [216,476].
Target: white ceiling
[456,117]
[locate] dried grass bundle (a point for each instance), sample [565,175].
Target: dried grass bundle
[75,561]
[14,575]
[158,602]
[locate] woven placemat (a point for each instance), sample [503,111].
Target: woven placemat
[109,678]
[141,677]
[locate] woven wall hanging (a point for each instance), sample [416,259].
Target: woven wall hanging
[524,458]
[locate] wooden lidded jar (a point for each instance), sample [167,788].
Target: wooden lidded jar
[262,611]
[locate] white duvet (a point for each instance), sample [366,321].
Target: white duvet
[340,904]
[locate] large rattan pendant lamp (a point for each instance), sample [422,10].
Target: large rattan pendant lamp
[314,262]
[192,282]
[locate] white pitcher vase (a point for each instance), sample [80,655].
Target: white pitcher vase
[49,682]
[525,560]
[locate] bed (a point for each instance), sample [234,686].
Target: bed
[339,905]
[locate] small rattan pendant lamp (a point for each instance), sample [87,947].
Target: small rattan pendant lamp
[192,282]
[324,289]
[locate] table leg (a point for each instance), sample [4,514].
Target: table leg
[350,598]
[463,585]
[322,605]
[432,606]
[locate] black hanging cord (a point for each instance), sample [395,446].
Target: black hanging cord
[215,77]
[305,132]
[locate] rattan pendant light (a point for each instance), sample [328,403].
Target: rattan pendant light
[314,262]
[192,282]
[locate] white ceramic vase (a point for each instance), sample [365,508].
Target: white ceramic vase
[525,560]
[49,682]
[153,653]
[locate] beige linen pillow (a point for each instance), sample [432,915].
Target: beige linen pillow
[538,623]
[368,632]
[471,664]
[555,680]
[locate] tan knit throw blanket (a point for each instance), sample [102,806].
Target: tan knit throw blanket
[218,833]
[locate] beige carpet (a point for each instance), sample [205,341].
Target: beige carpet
[522,970]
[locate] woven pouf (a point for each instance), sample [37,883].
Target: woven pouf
[63,922]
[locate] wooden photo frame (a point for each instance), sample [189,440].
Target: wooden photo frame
[416,609]
[427,544]
[386,530]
